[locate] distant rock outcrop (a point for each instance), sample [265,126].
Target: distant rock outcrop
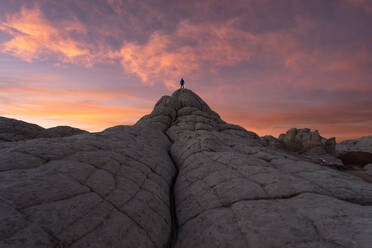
[180,177]
[303,140]
[15,130]
[307,144]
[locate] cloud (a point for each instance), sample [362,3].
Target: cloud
[190,49]
[207,48]
[34,37]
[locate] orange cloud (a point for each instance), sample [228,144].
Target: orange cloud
[34,36]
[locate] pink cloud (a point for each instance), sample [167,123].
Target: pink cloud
[207,47]
[188,50]
[191,49]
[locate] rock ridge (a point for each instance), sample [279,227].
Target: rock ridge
[168,106]
[14,130]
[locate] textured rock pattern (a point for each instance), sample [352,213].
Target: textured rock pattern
[94,190]
[111,189]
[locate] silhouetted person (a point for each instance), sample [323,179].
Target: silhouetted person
[182,83]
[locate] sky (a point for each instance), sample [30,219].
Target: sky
[267,65]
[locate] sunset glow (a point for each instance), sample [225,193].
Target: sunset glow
[265,65]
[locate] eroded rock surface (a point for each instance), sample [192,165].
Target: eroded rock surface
[180,177]
[109,189]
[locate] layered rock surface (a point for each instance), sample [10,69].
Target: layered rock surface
[180,177]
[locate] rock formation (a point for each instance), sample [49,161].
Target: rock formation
[308,145]
[180,177]
[303,140]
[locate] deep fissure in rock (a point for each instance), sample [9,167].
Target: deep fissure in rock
[172,201]
[172,197]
